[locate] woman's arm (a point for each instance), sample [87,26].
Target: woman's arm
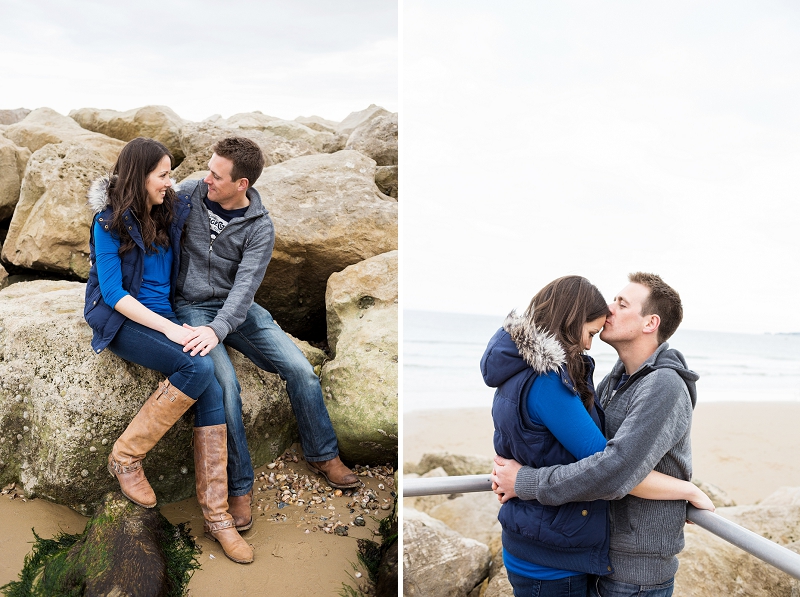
[658,486]
[136,311]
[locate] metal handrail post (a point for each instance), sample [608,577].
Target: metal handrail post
[764,549]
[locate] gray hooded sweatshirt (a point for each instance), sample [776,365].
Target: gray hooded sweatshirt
[648,422]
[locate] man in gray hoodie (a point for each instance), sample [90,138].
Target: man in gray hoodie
[648,400]
[227,246]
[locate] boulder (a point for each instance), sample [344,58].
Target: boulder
[13,160]
[318,123]
[3,277]
[328,214]
[387,180]
[157,122]
[712,566]
[377,138]
[62,406]
[355,119]
[44,125]
[472,515]
[124,550]
[360,382]
[288,129]
[197,138]
[437,560]
[14,116]
[454,464]
[499,586]
[50,227]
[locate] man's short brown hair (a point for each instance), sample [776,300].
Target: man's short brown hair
[663,301]
[248,161]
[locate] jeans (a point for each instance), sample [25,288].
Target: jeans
[262,341]
[571,586]
[601,586]
[194,376]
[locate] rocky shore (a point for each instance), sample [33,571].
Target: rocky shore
[452,545]
[331,189]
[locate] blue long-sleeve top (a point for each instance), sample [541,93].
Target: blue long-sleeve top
[154,293]
[550,403]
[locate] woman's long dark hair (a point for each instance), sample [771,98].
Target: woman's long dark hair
[127,191]
[562,308]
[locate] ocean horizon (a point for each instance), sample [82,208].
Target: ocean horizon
[442,352]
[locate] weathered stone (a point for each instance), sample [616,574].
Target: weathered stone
[14,116]
[387,180]
[197,138]
[3,277]
[499,586]
[288,129]
[13,160]
[473,515]
[437,560]
[712,566]
[377,139]
[355,119]
[455,464]
[44,125]
[360,383]
[718,496]
[125,550]
[157,122]
[328,214]
[50,227]
[318,123]
[61,399]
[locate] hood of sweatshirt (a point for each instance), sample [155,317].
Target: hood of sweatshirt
[663,358]
[519,345]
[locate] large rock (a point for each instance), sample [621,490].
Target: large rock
[387,180]
[473,515]
[360,383]
[50,227]
[328,214]
[288,129]
[13,160]
[157,122]
[437,560]
[711,566]
[197,138]
[62,406]
[44,125]
[377,138]
[14,116]
[355,119]
[318,123]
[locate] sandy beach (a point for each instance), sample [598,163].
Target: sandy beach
[293,556]
[747,449]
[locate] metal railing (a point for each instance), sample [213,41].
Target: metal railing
[752,543]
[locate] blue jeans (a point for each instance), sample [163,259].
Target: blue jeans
[571,586]
[602,586]
[194,376]
[262,341]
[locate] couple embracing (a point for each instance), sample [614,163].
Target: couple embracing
[564,447]
[173,276]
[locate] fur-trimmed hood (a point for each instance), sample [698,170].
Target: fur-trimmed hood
[517,346]
[98,194]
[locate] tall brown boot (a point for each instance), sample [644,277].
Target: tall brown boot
[159,412]
[210,462]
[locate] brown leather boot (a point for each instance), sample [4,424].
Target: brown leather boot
[210,462]
[239,506]
[336,473]
[159,412]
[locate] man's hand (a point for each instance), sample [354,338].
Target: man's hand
[504,475]
[201,340]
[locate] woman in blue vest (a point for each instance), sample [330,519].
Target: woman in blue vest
[135,254]
[545,413]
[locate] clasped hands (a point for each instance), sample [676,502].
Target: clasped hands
[199,339]
[504,476]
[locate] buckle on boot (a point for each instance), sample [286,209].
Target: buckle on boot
[218,526]
[165,386]
[122,469]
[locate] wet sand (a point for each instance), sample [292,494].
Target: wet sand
[291,558]
[748,449]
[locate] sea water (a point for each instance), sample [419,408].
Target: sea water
[442,352]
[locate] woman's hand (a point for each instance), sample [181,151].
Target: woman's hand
[177,334]
[504,475]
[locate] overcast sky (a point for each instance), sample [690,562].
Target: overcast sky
[598,138]
[201,57]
